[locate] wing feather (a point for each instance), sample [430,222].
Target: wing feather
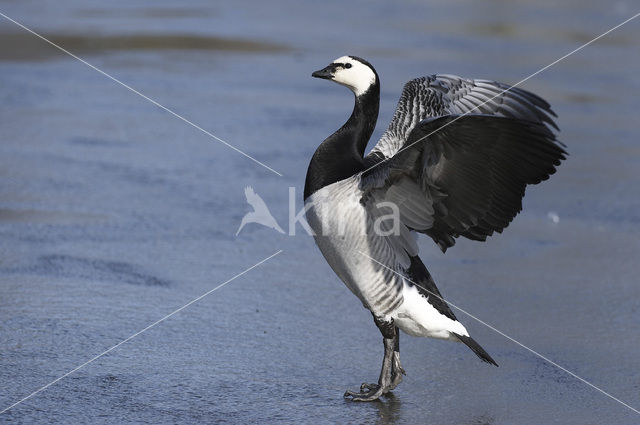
[464,175]
[444,94]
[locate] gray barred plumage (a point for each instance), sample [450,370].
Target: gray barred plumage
[443,94]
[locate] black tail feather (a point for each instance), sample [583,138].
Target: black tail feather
[475,347]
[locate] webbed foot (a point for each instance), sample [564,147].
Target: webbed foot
[391,372]
[368,392]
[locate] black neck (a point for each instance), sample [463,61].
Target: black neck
[341,154]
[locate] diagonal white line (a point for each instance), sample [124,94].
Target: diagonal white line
[139,332]
[505,335]
[175,114]
[577,49]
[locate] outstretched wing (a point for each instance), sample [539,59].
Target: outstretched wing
[463,175]
[439,95]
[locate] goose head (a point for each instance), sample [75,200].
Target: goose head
[350,71]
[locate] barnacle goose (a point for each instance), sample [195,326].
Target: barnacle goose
[454,161]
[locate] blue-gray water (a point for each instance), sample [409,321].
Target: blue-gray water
[113,213]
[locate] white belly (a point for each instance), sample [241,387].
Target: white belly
[340,224]
[417,317]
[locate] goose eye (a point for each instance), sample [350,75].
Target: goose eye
[347,65]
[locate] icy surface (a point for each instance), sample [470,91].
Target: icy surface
[113,214]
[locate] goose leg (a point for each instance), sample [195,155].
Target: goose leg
[391,372]
[396,367]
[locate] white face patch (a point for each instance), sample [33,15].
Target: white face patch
[359,77]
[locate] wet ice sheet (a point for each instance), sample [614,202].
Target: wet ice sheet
[113,214]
